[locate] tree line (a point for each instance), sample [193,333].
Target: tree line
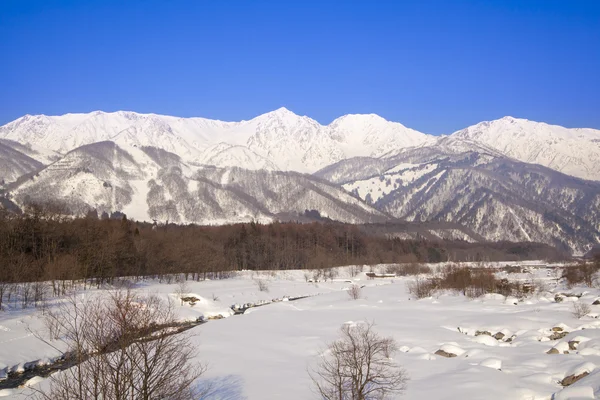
[43,243]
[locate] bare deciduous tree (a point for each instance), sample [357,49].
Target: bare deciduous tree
[358,366]
[123,347]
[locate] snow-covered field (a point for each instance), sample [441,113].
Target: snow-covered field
[266,352]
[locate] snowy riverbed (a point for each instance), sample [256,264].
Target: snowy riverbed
[265,353]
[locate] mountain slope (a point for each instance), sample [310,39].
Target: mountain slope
[227,155]
[15,163]
[574,152]
[497,197]
[149,183]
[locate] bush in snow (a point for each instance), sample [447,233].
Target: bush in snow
[582,273]
[475,282]
[354,292]
[263,285]
[580,310]
[421,288]
[359,366]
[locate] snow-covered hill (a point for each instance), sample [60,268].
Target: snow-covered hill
[571,151]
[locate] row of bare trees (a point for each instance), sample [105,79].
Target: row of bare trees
[43,244]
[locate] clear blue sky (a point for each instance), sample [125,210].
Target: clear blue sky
[436,66]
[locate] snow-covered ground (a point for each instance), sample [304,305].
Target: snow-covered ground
[265,353]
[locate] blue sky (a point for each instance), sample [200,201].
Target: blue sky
[436,66]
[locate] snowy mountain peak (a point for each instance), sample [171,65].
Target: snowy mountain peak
[358,118]
[283,110]
[281,113]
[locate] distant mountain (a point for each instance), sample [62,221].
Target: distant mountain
[574,152]
[497,197]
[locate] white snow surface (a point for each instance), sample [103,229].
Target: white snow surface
[375,188]
[265,353]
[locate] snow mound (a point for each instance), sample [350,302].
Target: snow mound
[581,369]
[540,378]
[574,393]
[493,363]
[473,353]
[34,381]
[589,351]
[453,349]
[562,347]
[417,350]
[580,339]
[560,327]
[486,340]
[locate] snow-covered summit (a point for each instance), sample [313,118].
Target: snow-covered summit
[355,132]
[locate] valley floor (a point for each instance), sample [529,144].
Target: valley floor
[266,352]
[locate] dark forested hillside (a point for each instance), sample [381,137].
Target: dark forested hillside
[41,244]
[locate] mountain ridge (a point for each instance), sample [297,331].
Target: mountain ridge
[498,197]
[287,141]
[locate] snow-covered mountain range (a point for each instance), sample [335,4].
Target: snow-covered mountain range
[275,140]
[489,178]
[283,140]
